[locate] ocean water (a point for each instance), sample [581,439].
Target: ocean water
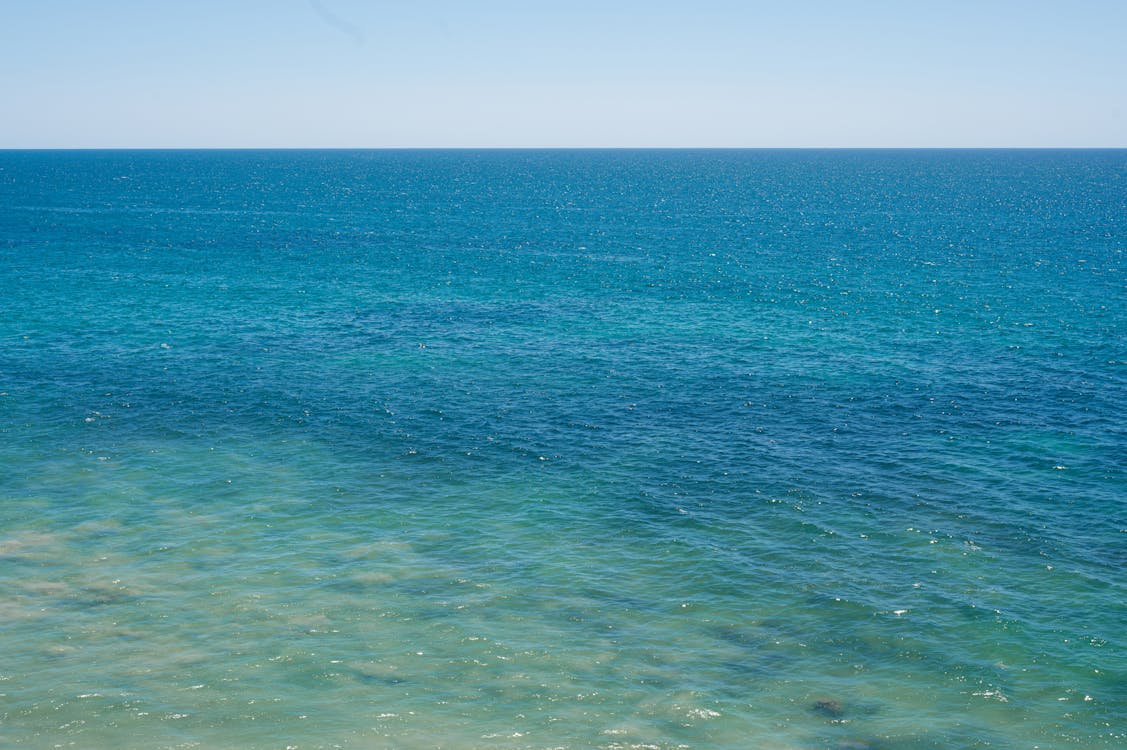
[563,449]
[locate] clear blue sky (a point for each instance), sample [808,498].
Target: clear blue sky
[297,73]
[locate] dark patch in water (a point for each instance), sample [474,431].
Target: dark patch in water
[829,708]
[376,679]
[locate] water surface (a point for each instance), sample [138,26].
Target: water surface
[563,449]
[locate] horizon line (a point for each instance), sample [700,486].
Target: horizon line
[563,148]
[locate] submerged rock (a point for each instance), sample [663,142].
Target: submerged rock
[831,708]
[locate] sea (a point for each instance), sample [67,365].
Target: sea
[653,449]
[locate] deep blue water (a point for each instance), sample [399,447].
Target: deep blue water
[776,449]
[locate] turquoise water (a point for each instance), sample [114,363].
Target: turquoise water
[572,449]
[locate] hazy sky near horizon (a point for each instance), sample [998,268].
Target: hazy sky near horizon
[347,73]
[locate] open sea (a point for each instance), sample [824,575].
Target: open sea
[767,450]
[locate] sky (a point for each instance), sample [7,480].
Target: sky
[582,73]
